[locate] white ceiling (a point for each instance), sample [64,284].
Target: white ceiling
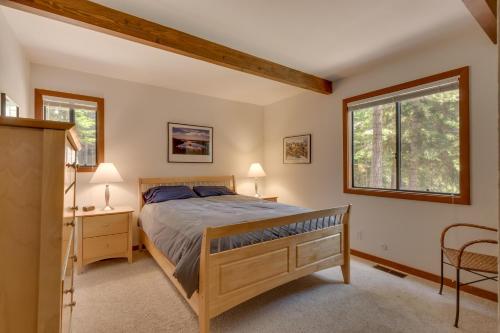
[329,38]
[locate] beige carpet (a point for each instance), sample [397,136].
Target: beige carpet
[113,296]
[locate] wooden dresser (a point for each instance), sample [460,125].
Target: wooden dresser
[37,209]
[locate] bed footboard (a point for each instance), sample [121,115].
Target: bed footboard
[231,276]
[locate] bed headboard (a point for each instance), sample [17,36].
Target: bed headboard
[147,183]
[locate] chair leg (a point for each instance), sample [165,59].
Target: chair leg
[442,277]
[458,298]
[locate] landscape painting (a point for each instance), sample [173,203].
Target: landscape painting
[190,143]
[297,149]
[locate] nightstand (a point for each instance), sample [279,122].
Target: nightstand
[103,235]
[273,198]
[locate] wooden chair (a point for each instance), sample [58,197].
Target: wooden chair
[471,262]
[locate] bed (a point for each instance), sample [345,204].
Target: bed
[221,251]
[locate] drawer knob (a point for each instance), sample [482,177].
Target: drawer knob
[69,291]
[70,305]
[74,258]
[70,224]
[74,208]
[72,165]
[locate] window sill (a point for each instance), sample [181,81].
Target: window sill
[86,169]
[419,196]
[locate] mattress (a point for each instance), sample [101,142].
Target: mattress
[176,228]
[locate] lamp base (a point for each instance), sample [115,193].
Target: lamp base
[256,184]
[106,197]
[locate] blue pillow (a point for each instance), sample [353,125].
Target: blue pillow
[207,191]
[166,193]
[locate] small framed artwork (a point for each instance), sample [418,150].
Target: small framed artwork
[190,143]
[297,149]
[8,108]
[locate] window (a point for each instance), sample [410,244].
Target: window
[410,141]
[87,113]
[8,108]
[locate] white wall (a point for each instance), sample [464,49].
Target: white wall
[136,119]
[411,229]
[14,69]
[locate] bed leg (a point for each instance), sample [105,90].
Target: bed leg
[346,267]
[204,292]
[204,323]
[346,273]
[141,239]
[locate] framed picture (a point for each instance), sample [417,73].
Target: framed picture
[8,108]
[190,143]
[297,149]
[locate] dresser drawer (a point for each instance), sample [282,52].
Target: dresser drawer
[70,153]
[68,277]
[96,248]
[68,299]
[68,226]
[69,177]
[69,203]
[66,317]
[105,225]
[68,256]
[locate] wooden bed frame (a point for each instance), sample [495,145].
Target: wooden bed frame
[231,277]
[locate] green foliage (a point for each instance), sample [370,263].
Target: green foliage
[86,128]
[430,150]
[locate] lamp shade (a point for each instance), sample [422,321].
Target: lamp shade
[256,171]
[106,173]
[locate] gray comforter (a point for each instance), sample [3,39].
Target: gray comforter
[176,227]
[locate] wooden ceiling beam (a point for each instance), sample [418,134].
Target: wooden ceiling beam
[485,13]
[104,19]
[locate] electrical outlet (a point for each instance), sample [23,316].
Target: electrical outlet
[384,247]
[359,235]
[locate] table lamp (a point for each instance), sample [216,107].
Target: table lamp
[256,172]
[106,173]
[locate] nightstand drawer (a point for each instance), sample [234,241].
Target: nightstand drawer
[105,225]
[96,248]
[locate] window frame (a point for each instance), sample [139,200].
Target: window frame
[39,93]
[464,196]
